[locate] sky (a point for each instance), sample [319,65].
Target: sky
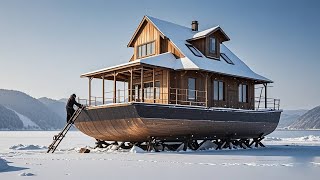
[46,45]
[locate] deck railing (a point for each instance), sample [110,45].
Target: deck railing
[174,96]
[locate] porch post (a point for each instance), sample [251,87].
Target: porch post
[153,82]
[114,87]
[168,86]
[90,78]
[103,101]
[131,85]
[206,87]
[265,95]
[142,94]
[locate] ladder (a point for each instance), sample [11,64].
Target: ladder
[58,138]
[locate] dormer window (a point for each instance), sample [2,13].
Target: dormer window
[226,58]
[212,46]
[194,50]
[146,49]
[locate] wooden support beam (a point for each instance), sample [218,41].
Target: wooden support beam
[206,89]
[103,91]
[114,87]
[131,85]
[142,94]
[168,86]
[153,83]
[265,96]
[90,79]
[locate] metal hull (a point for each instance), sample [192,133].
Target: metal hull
[137,122]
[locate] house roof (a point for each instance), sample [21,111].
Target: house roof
[209,31]
[179,35]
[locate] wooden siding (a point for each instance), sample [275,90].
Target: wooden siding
[148,33]
[179,79]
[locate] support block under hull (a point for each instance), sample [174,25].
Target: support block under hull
[138,122]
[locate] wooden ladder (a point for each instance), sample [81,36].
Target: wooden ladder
[58,138]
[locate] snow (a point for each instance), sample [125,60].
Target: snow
[136,149]
[27,147]
[27,122]
[291,158]
[204,33]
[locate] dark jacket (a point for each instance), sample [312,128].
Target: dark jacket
[71,102]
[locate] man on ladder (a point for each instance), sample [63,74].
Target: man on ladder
[69,107]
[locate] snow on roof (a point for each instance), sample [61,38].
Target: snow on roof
[178,36]
[205,32]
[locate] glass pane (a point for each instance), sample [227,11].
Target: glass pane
[157,86]
[139,51]
[244,93]
[215,90]
[212,45]
[220,90]
[144,53]
[153,48]
[136,92]
[191,88]
[240,92]
[226,58]
[149,49]
[194,50]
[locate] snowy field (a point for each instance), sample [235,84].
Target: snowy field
[289,154]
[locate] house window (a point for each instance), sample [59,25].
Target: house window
[218,90]
[212,46]
[191,89]
[226,58]
[136,92]
[243,90]
[146,49]
[194,50]
[148,90]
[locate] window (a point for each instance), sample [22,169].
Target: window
[243,92]
[218,90]
[136,93]
[146,49]
[191,89]
[226,58]
[148,90]
[212,46]
[194,50]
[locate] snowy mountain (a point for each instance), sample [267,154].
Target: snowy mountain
[57,106]
[290,116]
[310,120]
[31,112]
[9,120]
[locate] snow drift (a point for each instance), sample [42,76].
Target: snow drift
[3,164]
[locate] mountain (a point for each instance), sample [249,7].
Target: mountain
[30,110]
[310,120]
[290,116]
[9,120]
[57,106]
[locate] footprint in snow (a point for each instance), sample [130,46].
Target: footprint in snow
[26,174]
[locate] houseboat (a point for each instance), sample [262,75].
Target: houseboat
[181,85]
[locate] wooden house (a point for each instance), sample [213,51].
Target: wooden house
[174,66]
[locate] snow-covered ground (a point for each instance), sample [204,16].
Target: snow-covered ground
[23,153]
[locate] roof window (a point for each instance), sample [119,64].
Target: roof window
[226,58]
[194,50]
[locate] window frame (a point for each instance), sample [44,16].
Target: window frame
[215,45]
[226,58]
[243,96]
[217,96]
[144,47]
[191,48]
[194,98]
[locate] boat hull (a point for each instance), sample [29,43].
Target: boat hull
[137,122]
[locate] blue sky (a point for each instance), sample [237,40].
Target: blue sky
[46,45]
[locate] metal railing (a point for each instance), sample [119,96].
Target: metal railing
[271,103]
[188,97]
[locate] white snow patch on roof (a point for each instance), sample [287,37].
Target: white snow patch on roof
[205,32]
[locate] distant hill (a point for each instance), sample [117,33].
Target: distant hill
[9,120]
[310,120]
[30,110]
[57,106]
[290,116]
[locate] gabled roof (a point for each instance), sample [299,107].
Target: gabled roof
[179,35]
